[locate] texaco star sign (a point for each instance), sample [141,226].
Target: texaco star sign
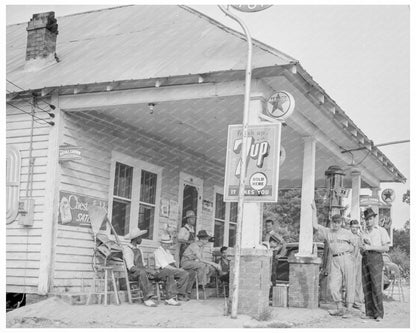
[388,195]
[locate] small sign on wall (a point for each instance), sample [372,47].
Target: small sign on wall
[207,206]
[69,153]
[73,209]
[164,208]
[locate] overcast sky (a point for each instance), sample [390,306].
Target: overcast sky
[360,55]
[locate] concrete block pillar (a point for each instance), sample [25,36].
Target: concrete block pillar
[304,282]
[254,284]
[355,195]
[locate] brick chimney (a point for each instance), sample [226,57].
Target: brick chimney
[42,30]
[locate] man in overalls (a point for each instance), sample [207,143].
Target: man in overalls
[136,267]
[341,245]
[186,234]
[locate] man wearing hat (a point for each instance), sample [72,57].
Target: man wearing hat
[375,241]
[186,234]
[168,271]
[341,245]
[134,259]
[193,259]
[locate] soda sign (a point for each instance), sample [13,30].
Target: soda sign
[262,166]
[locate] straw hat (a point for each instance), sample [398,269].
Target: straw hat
[165,239]
[136,232]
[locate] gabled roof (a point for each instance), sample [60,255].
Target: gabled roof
[134,43]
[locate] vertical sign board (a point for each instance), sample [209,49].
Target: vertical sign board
[263,155]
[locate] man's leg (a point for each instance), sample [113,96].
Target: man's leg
[334,285]
[168,276]
[367,286]
[376,274]
[201,270]
[348,271]
[183,280]
[140,275]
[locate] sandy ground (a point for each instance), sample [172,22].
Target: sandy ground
[53,312]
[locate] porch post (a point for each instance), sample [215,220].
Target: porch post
[374,194]
[355,195]
[308,195]
[253,211]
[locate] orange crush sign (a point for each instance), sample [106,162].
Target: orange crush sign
[262,166]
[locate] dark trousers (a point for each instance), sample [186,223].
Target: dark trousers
[372,273]
[173,286]
[140,275]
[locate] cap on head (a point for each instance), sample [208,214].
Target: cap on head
[336,218]
[354,223]
[369,213]
[189,213]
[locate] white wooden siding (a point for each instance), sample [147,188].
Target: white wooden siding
[23,243]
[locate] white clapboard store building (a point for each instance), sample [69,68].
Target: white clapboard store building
[141,113]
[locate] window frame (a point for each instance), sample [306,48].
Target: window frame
[227,222]
[138,165]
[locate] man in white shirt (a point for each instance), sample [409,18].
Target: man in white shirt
[168,271]
[375,241]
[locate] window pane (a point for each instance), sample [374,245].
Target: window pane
[219,206]
[121,216]
[123,180]
[232,234]
[146,220]
[233,211]
[219,233]
[148,187]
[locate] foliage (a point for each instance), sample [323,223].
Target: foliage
[286,212]
[406,197]
[402,259]
[401,239]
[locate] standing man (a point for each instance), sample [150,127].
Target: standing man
[375,241]
[134,259]
[186,234]
[341,245]
[193,259]
[168,271]
[359,296]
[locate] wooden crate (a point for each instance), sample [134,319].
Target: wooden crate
[280,295]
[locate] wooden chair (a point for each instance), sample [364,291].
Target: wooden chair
[100,284]
[133,290]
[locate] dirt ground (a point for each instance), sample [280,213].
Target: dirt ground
[53,312]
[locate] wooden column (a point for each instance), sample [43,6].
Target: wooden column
[308,195]
[355,195]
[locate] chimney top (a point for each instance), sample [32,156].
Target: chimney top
[42,30]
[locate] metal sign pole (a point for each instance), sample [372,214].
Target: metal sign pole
[236,270]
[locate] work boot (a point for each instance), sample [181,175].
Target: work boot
[150,303]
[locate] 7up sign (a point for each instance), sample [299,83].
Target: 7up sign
[262,156]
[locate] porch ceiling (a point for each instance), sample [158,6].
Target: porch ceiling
[200,126]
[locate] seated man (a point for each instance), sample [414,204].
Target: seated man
[168,271]
[278,246]
[224,262]
[193,259]
[137,270]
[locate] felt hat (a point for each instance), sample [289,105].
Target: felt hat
[202,234]
[165,239]
[369,213]
[136,232]
[189,213]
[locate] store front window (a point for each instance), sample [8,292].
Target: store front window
[225,224]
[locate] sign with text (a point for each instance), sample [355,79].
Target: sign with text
[262,166]
[250,8]
[73,209]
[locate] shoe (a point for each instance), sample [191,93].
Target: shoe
[172,302]
[183,298]
[150,303]
[338,312]
[356,306]
[364,316]
[378,319]
[347,314]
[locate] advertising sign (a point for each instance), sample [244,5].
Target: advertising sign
[263,155]
[250,8]
[73,209]
[388,195]
[69,153]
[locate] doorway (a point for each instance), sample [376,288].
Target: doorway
[190,194]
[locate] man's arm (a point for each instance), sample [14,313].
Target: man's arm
[315,223]
[183,235]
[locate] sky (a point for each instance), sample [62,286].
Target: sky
[359,54]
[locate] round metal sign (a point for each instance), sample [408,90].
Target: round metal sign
[280,105]
[250,8]
[388,195]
